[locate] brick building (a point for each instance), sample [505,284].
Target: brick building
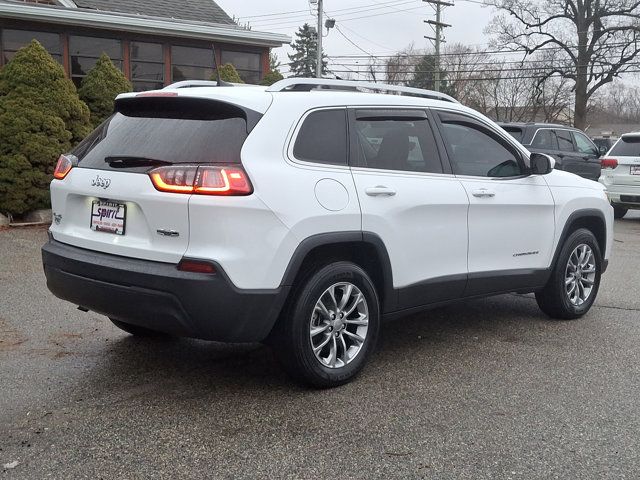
[154,42]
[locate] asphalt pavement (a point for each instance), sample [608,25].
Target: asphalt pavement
[488,389]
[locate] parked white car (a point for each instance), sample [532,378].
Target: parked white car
[621,174]
[303,214]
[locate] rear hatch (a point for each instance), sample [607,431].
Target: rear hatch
[627,154]
[108,203]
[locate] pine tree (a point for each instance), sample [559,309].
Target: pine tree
[305,46]
[41,117]
[274,74]
[271,78]
[424,75]
[228,73]
[100,87]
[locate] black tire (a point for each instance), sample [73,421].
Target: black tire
[619,212]
[554,299]
[138,331]
[292,342]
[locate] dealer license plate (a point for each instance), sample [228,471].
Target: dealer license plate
[108,216]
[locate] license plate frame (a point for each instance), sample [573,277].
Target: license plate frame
[635,170]
[115,223]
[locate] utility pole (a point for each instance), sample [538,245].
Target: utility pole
[437,25]
[319,45]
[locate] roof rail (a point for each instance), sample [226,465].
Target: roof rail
[308,84]
[191,84]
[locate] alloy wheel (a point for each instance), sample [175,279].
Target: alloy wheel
[339,325]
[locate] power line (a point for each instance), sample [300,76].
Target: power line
[482,79]
[287,25]
[350,41]
[288,17]
[480,52]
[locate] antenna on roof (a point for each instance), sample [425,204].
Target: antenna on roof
[221,83]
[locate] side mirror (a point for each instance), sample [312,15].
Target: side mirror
[602,150]
[541,164]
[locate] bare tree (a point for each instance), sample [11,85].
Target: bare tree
[398,69]
[622,101]
[597,39]
[464,67]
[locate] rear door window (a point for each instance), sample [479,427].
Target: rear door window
[323,138]
[395,140]
[140,137]
[545,139]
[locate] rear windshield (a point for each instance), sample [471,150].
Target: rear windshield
[138,138]
[627,147]
[515,132]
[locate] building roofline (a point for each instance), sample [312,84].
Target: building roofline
[141,24]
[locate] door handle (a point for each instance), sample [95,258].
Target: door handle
[483,193]
[379,191]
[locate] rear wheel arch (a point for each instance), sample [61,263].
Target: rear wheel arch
[365,249]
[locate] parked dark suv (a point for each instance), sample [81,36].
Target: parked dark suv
[573,151]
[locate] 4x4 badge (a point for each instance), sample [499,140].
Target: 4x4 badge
[101,182]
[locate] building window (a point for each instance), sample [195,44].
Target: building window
[147,66]
[85,52]
[14,40]
[190,63]
[248,64]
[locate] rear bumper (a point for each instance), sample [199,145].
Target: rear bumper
[623,195]
[160,297]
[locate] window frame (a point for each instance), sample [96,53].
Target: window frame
[502,137]
[259,71]
[173,64]
[573,142]
[553,133]
[133,61]
[296,133]
[58,57]
[394,112]
[119,63]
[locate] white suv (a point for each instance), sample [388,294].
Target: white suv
[303,214]
[621,174]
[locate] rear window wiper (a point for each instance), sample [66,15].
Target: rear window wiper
[126,161]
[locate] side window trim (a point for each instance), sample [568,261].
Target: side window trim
[552,132]
[295,132]
[498,138]
[384,112]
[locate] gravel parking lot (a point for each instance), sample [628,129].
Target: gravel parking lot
[485,389]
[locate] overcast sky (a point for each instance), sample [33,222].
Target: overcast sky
[389,26]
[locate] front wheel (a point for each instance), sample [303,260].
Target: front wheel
[575,279]
[330,327]
[619,212]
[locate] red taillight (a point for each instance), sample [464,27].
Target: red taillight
[609,163]
[196,266]
[203,180]
[63,167]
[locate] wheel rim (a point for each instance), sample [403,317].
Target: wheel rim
[580,275]
[339,325]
